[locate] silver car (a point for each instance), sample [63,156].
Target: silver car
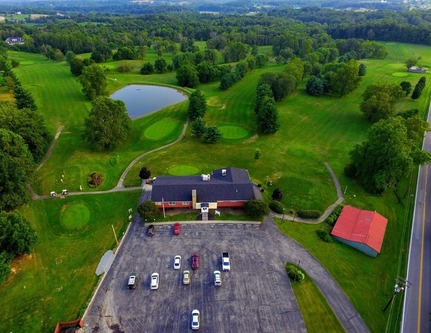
[186,277]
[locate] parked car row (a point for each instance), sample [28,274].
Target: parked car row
[186,276]
[132,282]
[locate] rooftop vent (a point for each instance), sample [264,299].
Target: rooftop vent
[206,178]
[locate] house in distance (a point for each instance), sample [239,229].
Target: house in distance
[362,229]
[14,41]
[228,187]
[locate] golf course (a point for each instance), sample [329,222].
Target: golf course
[56,281]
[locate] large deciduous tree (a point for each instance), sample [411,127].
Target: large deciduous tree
[187,76]
[93,81]
[379,101]
[29,125]
[16,234]
[16,168]
[102,52]
[346,78]
[295,67]
[282,84]
[315,86]
[197,105]
[107,125]
[379,106]
[387,156]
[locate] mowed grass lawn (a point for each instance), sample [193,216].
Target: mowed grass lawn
[55,282]
[313,131]
[313,305]
[61,102]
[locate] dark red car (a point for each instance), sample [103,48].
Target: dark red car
[195,261]
[177,228]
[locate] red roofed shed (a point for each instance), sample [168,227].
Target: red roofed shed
[361,229]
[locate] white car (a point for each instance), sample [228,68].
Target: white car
[195,320]
[217,278]
[154,281]
[186,277]
[177,262]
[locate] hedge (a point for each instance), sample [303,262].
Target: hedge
[309,214]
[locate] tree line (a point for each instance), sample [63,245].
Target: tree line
[393,143]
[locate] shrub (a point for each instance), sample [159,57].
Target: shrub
[147,68]
[331,219]
[124,68]
[277,194]
[276,206]
[295,273]
[95,179]
[309,214]
[324,235]
[256,208]
[148,211]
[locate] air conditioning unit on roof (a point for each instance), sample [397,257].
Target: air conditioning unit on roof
[206,177]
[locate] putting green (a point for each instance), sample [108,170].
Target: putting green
[183,170]
[75,216]
[161,129]
[400,74]
[233,132]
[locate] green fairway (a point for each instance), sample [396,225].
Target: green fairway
[314,130]
[313,305]
[233,132]
[75,215]
[399,74]
[55,282]
[183,170]
[161,129]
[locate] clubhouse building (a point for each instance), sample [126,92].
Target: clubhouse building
[228,187]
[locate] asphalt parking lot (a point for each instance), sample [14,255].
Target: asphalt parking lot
[255,295]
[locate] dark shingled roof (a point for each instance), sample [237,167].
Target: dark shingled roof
[235,185]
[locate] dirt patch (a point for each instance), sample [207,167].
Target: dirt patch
[19,261]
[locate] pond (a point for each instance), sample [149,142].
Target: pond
[143,99]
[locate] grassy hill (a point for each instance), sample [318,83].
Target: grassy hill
[313,131]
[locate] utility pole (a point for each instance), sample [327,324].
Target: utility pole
[400,285]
